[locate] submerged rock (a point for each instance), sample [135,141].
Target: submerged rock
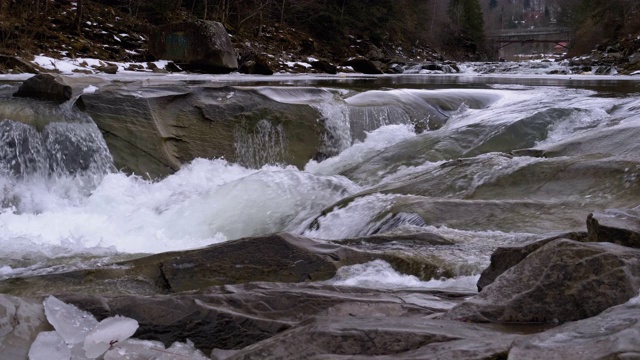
[562,281]
[45,87]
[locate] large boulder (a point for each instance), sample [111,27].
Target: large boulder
[620,227]
[195,45]
[363,65]
[506,257]
[45,87]
[562,281]
[154,131]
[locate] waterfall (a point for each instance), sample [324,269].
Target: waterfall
[266,145]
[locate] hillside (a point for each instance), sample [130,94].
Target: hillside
[114,30]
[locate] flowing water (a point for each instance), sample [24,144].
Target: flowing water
[482,162]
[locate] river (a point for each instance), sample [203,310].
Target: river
[479,160]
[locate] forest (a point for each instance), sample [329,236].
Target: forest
[455,27]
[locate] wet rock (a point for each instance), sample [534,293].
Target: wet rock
[20,322]
[363,65]
[395,68]
[324,66]
[276,258]
[381,338]
[235,316]
[171,319]
[504,258]
[107,68]
[620,227]
[422,238]
[172,67]
[613,334]
[45,87]
[152,132]
[257,66]
[12,64]
[195,45]
[562,281]
[615,141]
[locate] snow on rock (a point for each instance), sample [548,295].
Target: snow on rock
[133,349]
[71,323]
[49,345]
[107,333]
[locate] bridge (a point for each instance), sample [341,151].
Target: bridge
[552,35]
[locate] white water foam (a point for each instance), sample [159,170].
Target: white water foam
[206,202]
[379,274]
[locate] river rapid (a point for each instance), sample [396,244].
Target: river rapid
[479,161]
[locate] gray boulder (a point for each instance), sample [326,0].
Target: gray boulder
[562,281]
[613,334]
[620,227]
[45,87]
[363,65]
[198,45]
[504,258]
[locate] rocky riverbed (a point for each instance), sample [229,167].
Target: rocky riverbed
[407,222]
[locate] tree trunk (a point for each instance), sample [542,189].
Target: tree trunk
[282,13]
[206,9]
[79,15]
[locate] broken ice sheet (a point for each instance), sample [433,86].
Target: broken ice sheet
[71,323]
[107,333]
[49,345]
[134,349]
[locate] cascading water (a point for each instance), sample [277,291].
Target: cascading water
[61,197]
[265,146]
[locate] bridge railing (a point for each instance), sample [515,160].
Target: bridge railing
[529,32]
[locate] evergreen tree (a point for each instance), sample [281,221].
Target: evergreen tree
[466,19]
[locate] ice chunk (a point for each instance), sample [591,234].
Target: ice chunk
[70,322]
[133,349]
[107,333]
[89,89]
[49,345]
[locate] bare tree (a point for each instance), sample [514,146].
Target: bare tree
[79,15]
